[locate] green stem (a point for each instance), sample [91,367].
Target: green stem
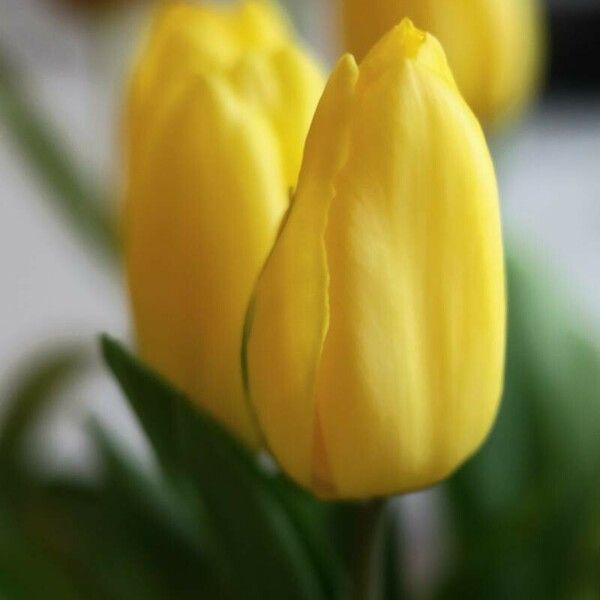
[368,550]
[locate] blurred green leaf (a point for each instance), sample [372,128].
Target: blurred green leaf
[25,573]
[519,507]
[150,499]
[164,416]
[76,198]
[35,389]
[258,543]
[166,529]
[316,522]
[73,524]
[49,528]
[113,540]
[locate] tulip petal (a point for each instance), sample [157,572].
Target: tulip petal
[218,111]
[208,189]
[286,85]
[494,47]
[189,40]
[289,319]
[375,348]
[412,365]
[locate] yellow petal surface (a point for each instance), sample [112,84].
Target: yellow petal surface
[289,316]
[412,366]
[286,85]
[250,44]
[219,107]
[495,47]
[202,215]
[405,381]
[188,39]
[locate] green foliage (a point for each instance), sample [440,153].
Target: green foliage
[45,375]
[523,508]
[205,518]
[208,519]
[26,571]
[260,531]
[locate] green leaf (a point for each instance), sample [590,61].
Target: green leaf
[25,573]
[258,543]
[128,484]
[74,526]
[169,533]
[43,376]
[76,198]
[315,522]
[517,506]
[164,416]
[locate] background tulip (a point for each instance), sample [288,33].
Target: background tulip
[219,107]
[376,339]
[493,46]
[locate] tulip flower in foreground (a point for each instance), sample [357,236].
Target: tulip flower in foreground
[375,342]
[493,46]
[220,104]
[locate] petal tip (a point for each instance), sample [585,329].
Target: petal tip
[409,37]
[402,41]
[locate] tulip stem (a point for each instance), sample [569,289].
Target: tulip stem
[368,550]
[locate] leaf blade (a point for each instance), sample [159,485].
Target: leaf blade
[255,526]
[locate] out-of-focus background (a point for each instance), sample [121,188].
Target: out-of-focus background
[70,60]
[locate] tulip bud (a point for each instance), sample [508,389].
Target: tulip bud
[375,341]
[493,46]
[220,104]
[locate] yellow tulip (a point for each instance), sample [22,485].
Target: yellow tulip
[220,104]
[493,46]
[375,340]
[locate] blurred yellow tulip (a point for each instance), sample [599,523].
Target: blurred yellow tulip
[494,47]
[220,104]
[375,340]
